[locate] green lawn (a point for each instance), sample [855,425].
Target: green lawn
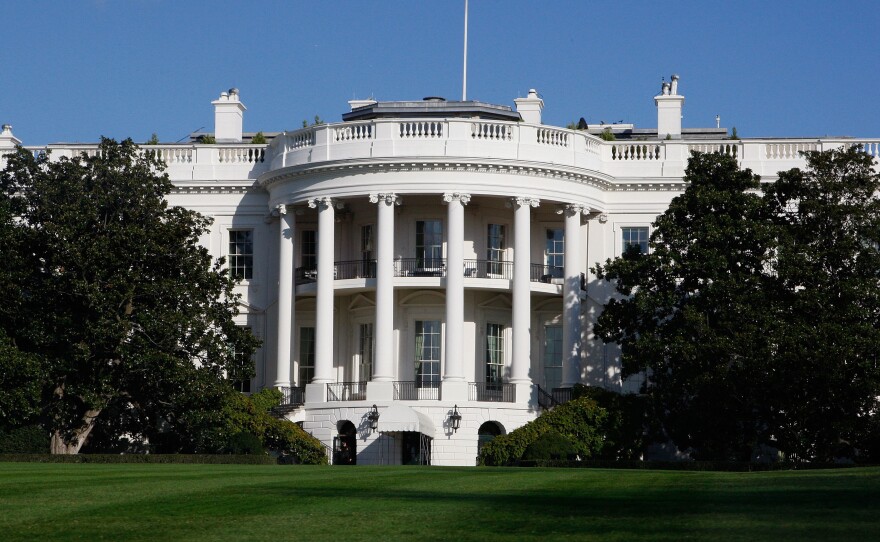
[239,502]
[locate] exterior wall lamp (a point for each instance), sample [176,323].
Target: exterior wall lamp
[373,418]
[455,419]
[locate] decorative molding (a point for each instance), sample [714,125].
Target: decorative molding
[571,209]
[449,197]
[325,202]
[519,201]
[389,198]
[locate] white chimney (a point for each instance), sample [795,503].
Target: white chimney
[228,117]
[354,104]
[7,140]
[669,104]
[530,108]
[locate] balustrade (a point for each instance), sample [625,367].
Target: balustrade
[491,392]
[788,150]
[635,151]
[420,267]
[491,131]
[488,269]
[347,391]
[730,149]
[411,391]
[546,273]
[549,136]
[352,132]
[421,129]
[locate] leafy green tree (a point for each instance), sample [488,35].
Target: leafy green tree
[693,311]
[154,140]
[757,318]
[107,287]
[825,370]
[258,139]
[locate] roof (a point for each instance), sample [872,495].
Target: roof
[432,107]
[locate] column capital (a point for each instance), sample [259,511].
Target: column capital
[449,197]
[601,217]
[525,201]
[324,202]
[280,209]
[571,209]
[389,198]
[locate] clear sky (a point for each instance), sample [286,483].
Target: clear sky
[73,70]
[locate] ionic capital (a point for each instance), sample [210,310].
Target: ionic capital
[325,202]
[525,201]
[572,209]
[280,209]
[449,197]
[389,198]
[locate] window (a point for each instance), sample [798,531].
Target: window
[636,237]
[495,249]
[241,254]
[552,357]
[367,242]
[427,353]
[429,244]
[494,355]
[555,251]
[240,372]
[365,352]
[306,355]
[309,249]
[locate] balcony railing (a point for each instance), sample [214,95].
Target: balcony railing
[293,396]
[546,273]
[491,392]
[420,267]
[347,391]
[305,275]
[411,391]
[488,269]
[357,269]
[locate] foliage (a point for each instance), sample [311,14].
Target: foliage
[29,439]
[154,140]
[316,122]
[20,384]
[579,420]
[733,134]
[630,425]
[165,459]
[207,140]
[107,287]
[245,443]
[756,318]
[607,135]
[258,139]
[550,445]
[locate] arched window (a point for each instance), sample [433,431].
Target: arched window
[487,433]
[345,444]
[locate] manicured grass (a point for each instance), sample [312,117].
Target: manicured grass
[243,502]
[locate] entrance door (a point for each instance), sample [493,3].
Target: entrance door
[345,445]
[416,449]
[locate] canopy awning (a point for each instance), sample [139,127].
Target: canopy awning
[399,418]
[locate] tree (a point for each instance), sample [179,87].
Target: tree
[756,317]
[693,310]
[106,285]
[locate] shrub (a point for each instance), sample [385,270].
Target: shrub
[579,420]
[629,426]
[607,135]
[550,445]
[244,443]
[31,439]
[258,139]
[211,459]
[207,140]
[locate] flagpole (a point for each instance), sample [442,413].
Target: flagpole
[464,74]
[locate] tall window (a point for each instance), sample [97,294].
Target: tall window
[306,355]
[241,254]
[494,354]
[635,237]
[241,371]
[495,248]
[365,352]
[428,353]
[429,243]
[368,263]
[555,251]
[552,356]
[309,249]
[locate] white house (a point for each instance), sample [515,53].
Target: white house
[425,260]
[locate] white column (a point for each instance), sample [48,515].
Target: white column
[383,361]
[287,224]
[522,302]
[571,296]
[455,287]
[324,301]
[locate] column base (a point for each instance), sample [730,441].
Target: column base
[316,393]
[454,391]
[380,391]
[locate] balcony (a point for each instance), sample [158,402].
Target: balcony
[491,392]
[411,391]
[420,267]
[546,274]
[488,269]
[347,391]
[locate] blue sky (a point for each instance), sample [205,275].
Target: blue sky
[73,70]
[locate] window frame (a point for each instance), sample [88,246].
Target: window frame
[233,257]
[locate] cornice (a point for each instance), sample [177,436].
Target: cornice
[216,187]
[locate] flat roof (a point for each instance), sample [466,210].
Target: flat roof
[432,107]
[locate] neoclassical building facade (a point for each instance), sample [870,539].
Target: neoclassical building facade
[419,273]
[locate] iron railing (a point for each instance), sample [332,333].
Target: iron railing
[347,391]
[411,391]
[561,395]
[546,273]
[356,269]
[488,269]
[491,392]
[545,399]
[420,267]
[305,275]
[293,396]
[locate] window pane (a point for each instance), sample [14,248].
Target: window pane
[429,243]
[306,355]
[365,351]
[555,250]
[552,356]
[427,350]
[309,249]
[637,237]
[495,248]
[494,354]
[241,254]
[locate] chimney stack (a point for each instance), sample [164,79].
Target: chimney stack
[669,103]
[530,108]
[228,117]
[7,140]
